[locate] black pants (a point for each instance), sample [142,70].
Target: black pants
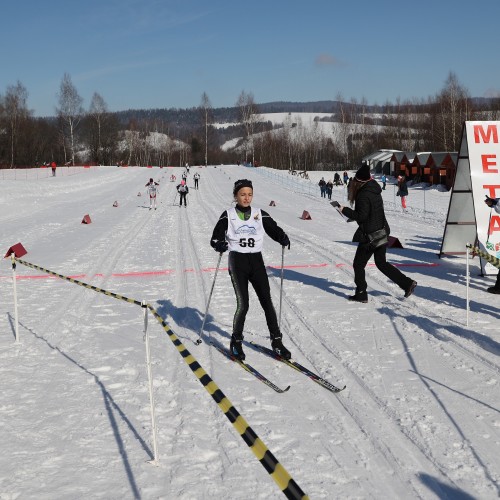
[247,268]
[363,254]
[497,284]
[183,197]
[196,183]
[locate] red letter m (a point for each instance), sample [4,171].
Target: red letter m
[485,136]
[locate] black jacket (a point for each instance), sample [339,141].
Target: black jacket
[368,211]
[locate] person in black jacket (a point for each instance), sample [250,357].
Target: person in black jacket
[241,230]
[365,196]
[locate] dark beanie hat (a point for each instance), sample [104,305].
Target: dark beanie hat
[363,173]
[241,184]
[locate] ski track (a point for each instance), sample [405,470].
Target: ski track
[348,441]
[385,448]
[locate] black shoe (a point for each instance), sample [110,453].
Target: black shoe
[359,297]
[493,289]
[410,289]
[236,348]
[279,349]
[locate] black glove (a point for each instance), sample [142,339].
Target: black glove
[335,204]
[285,241]
[491,202]
[221,246]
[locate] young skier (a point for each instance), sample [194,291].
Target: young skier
[183,190]
[151,185]
[196,178]
[241,231]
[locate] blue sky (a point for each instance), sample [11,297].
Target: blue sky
[166,53]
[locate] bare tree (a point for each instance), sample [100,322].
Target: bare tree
[16,110]
[70,110]
[206,110]
[248,116]
[97,111]
[455,108]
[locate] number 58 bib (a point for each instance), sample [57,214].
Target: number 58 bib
[245,236]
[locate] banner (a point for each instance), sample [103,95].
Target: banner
[484,158]
[469,219]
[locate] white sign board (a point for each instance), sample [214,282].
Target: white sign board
[469,219]
[484,159]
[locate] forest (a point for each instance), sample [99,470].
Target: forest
[198,135]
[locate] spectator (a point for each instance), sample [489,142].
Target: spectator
[368,212]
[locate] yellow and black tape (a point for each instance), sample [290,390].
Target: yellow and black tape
[278,473]
[77,282]
[495,261]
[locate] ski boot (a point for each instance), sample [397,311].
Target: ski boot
[236,349]
[279,349]
[359,297]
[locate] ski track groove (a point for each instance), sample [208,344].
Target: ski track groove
[350,409]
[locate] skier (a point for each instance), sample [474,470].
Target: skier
[241,230]
[151,185]
[383,179]
[184,176]
[53,166]
[183,190]
[196,178]
[172,178]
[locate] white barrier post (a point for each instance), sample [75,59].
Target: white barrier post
[150,379]
[16,321]
[467,281]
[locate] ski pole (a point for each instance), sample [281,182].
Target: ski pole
[281,285]
[489,224]
[199,341]
[175,198]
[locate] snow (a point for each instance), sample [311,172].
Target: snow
[419,418]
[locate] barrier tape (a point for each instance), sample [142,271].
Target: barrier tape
[495,261]
[278,473]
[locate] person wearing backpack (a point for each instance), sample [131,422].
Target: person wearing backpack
[183,190]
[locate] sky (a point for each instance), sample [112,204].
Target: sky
[167,53]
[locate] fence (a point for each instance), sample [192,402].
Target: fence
[24,174]
[278,473]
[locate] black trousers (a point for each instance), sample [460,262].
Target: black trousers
[245,268]
[363,254]
[196,183]
[183,197]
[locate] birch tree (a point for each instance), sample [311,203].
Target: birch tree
[248,117]
[70,110]
[206,111]
[16,110]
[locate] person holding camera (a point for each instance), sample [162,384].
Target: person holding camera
[241,230]
[493,203]
[373,230]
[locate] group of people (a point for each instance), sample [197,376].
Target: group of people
[182,188]
[241,230]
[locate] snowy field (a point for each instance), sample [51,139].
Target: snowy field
[419,419]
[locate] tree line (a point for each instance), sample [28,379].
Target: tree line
[177,136]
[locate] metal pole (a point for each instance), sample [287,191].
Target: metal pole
[16,319]
[150,381]
[281,285]
[199,341]
[467,281]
